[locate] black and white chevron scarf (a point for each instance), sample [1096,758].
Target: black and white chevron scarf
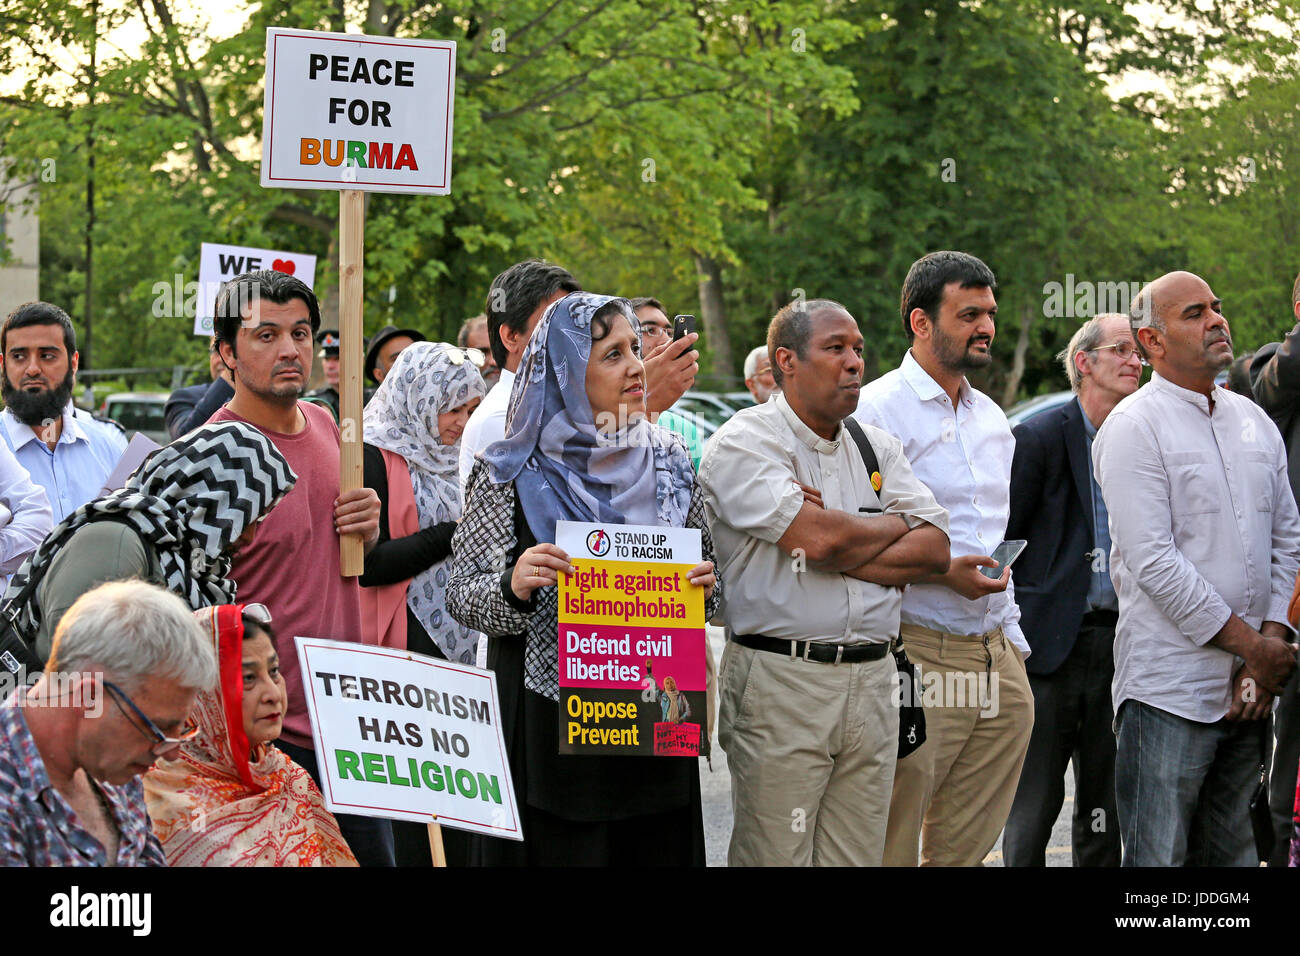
[190,500]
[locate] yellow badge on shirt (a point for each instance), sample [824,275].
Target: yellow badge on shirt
[876,481]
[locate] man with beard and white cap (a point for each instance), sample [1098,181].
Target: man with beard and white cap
[66,451]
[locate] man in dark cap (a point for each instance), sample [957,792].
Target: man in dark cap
[384,349]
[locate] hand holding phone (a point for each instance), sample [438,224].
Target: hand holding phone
[683,325]
[1005,555]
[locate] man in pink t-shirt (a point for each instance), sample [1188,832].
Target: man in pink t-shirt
[265,323]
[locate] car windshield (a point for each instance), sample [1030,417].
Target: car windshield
[138,416]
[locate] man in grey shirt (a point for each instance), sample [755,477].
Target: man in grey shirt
[1205,548]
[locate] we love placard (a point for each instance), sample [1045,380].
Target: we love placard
[219,263]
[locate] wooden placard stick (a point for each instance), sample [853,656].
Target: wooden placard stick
[435,845]
[352,228]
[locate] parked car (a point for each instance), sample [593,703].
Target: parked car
[1023,411]
[707,409]
[738,400]
[139,412]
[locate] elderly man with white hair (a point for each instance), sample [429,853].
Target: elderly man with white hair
[1068,607]
[127,663]
[758,375]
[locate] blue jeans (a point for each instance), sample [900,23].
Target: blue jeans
[1183,789]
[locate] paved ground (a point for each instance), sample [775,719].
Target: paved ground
[716,790]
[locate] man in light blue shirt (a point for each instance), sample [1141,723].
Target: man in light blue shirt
[67,452]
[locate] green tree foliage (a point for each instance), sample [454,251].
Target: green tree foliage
[816,146]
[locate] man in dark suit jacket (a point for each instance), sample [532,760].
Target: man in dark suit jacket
[1068,607]
[188,408]
[1275,381]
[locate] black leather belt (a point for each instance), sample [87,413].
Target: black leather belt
[1100,619]
[813,651]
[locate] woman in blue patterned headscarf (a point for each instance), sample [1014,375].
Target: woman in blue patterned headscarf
[577,447]
[570,460]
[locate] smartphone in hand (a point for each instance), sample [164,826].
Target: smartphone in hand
[1005,555]
[683,325]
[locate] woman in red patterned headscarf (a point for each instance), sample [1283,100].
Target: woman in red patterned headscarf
[228,798]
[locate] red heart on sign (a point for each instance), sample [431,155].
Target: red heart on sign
[284,265]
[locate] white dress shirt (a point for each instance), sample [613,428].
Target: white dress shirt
[486,425]
[748,480]
[1202,524]
[964,456]
[31,518]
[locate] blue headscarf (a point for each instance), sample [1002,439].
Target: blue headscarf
[562,467]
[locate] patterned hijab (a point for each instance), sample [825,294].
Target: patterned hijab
[189,500]
[402,417]
[220,803]
[563,468]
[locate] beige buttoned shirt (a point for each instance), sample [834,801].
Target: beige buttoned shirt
[748,478]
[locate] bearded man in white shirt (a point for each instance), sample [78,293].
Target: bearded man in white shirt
[961,628]
[1205,545]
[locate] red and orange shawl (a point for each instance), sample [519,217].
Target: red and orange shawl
[216,804]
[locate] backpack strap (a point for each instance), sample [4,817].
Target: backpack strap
[868,458]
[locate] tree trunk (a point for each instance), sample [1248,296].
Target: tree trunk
[1018,360]
[714,314]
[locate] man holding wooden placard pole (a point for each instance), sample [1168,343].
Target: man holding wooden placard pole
[265,324]
[359,114]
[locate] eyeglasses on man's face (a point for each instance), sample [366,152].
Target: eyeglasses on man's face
[1123,350]
[161,742]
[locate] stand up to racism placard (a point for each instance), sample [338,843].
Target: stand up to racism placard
[631,641]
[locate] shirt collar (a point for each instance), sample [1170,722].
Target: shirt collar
[19,742]
[1089,428]
[499,394]
[803,432]
[926,388]
[21,434]
[1199,399]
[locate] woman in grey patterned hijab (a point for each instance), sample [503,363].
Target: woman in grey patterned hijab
[410,415]
[570,461]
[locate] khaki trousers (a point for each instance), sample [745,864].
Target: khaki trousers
[953,794]
[811,748]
